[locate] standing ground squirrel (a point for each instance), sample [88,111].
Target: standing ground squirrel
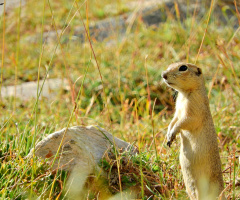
[199,154]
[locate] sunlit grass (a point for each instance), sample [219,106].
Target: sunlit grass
[120,101]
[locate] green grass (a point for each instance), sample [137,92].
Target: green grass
[120,100]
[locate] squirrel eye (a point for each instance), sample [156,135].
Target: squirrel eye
[183,68]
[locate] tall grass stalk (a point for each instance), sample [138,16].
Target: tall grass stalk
[139,148]
[17,52]
[234,171]
[209,16]
[191,30]
[37,100]
[3,46]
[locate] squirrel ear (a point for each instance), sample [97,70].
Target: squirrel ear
[199,71]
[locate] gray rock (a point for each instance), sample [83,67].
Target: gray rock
[28,90]
[81,148]
[152,12]
[78,150]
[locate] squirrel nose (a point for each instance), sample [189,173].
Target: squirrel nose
[164,75]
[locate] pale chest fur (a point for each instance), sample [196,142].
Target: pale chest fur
[182,107]
[193,110]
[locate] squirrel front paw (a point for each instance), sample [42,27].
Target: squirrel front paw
[171,135]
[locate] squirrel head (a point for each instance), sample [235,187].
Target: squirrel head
[183,77]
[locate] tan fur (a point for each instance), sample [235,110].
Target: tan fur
[199,154]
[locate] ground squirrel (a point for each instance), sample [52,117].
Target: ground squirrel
[199,154]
